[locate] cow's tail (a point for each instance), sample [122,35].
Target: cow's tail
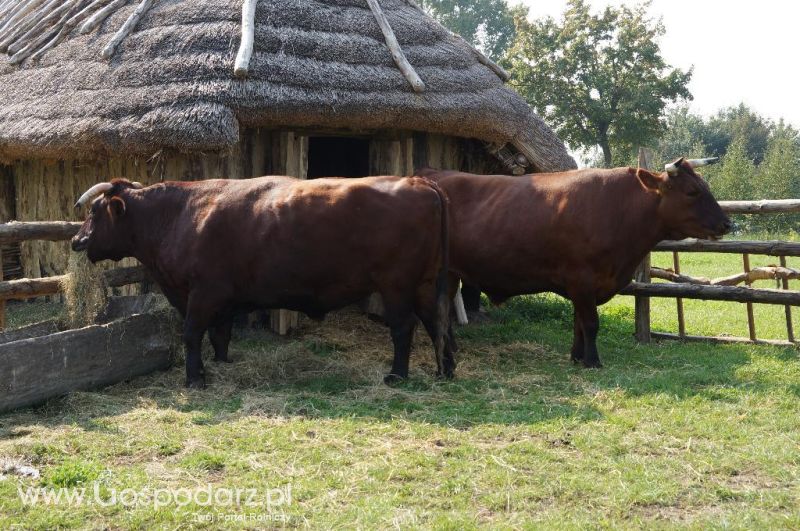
[442,284]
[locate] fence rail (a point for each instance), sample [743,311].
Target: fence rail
[54,231]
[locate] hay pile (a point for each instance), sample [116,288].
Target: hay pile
[84,291]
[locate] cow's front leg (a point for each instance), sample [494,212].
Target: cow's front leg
[586,311]
[220,337]
[576,352]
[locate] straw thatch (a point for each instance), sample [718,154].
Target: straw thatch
[316,64]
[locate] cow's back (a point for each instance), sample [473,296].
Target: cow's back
[291,243]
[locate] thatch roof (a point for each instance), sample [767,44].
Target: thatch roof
[316,63]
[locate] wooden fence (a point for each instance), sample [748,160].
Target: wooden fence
[25,288]
[680,286]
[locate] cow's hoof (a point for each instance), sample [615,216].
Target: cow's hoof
[447,374]
[592,364]
[223,360]
[196,383]
[576,360]
[391,379]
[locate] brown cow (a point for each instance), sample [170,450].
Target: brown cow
[579,233]
[219,247]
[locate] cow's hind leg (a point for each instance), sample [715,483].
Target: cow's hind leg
[586,310]
[401,321]
[220,337]
[576,352]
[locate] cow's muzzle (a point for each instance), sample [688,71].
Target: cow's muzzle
[80,243]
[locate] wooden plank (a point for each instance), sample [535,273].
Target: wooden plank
[714,293]
[788,309]
[691,245]
[53,231]
[723,339]
[766,206]
[56,364]
[2,301]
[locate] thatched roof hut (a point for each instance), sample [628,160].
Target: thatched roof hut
[319,63]
[158,98]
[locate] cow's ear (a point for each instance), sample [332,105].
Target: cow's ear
[651,181]
[117,207]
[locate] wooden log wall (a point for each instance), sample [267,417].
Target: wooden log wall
[46,189]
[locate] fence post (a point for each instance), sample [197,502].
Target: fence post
[2,301]
[642,274]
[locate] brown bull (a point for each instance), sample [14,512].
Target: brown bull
[220,247]
[580,234]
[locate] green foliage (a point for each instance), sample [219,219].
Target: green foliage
[488,24]
[738,122]
[778,177]
[734,179]
[71,473]
[600,80]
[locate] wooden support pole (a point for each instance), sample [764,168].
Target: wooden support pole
[98,18]
[751,322]
[242,64]
[394,47]
[126,28]
[788,309]
[679,301]
[2,301]
[642,276]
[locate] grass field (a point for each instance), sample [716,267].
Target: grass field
[666,435]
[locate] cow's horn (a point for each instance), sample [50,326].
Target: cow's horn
[696,163]
[672,169]
[93,192]
[137,185]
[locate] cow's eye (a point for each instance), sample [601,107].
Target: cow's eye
[693,193]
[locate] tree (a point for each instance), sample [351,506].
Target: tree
[734,179]
[487,24]
[682,135]
[740,122]
[778,176]
[599,80]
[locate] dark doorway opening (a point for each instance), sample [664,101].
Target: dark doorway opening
[337,156]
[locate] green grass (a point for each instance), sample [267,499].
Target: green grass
[666,435]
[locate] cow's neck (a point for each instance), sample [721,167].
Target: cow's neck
[647,229]
[152,213]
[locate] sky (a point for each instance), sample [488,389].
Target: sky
[741,51]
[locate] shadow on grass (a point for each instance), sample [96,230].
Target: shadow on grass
[514,369]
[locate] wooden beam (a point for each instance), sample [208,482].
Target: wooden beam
[765,206]
[53,231]
[394,47]
[126,28]
[714,293]
[242,64]
[26,288]
[2,301]
[771,248]
[98,18]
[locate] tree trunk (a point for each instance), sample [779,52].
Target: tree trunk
[606,152]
